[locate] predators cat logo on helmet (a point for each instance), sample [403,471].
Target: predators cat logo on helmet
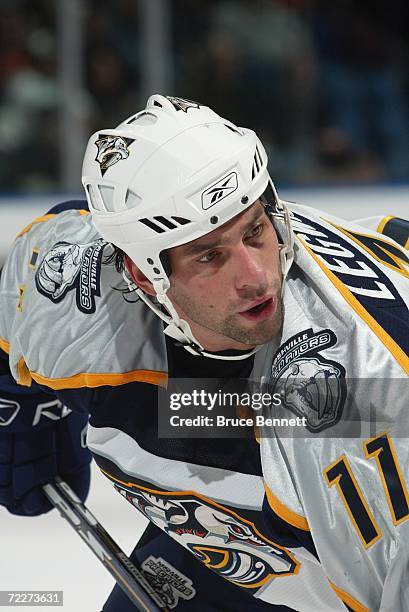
[182,104]
[111,149]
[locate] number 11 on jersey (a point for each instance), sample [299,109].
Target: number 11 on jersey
[340,474]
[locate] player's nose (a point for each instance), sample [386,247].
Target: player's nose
[250,270]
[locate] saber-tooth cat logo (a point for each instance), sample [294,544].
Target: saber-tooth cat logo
[111,149]
[310,385]
[182,104]
[67,266]
[219,537]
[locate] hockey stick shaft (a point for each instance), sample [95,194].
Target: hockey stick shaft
[129,577]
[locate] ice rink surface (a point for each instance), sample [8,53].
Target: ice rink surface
[44,553]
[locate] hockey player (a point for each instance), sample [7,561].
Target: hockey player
[230,283]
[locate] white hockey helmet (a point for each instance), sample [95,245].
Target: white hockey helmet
[168,175]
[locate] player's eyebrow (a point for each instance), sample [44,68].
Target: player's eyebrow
[198,247]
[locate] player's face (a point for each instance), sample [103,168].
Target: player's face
[227,285]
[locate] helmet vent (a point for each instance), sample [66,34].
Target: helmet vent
[107,195]
[95,202]
[232,128]
[257,164]
[143,119]
[161,224]
[132,199]
[181,220]
[166,222]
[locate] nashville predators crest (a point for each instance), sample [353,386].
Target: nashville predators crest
[310,385]
[68,266]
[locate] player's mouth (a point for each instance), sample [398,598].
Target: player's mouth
[262,309]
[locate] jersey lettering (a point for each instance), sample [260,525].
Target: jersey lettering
[340,474]
[363,283]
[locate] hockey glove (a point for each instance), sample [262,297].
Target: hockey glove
[39,438]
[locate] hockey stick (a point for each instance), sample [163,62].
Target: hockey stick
[129,577]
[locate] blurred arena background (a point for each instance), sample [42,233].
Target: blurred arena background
[325,84]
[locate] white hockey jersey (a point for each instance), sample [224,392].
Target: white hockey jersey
[342,364]
[323,524]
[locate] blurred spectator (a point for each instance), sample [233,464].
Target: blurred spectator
[111,88]
[112,60]
[363,100]
[256,64]
[324,83]
[29,106]
[14,56]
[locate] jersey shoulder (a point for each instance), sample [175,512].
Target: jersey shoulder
[63,319]
[366,273]
[394,227]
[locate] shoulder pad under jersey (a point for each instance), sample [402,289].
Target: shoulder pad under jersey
[63,320]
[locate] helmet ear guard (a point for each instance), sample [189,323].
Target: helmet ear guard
[210,171]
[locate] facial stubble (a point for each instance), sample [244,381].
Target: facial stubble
[229,326]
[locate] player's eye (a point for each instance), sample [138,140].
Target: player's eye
[208,257]
[255,231]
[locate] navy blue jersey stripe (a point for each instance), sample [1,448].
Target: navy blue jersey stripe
[398,229]
[69,205]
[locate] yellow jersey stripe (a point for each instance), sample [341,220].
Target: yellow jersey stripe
[383,222]
[24,377]
[46,218]
[350,601]
[382,226]
[4,345]
[287,515]
[38,220]
[93,380]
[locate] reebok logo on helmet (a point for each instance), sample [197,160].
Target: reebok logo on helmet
[216,192]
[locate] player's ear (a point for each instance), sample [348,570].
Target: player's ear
[138,277]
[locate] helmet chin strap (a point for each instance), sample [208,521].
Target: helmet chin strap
[178,328]
[286,250]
